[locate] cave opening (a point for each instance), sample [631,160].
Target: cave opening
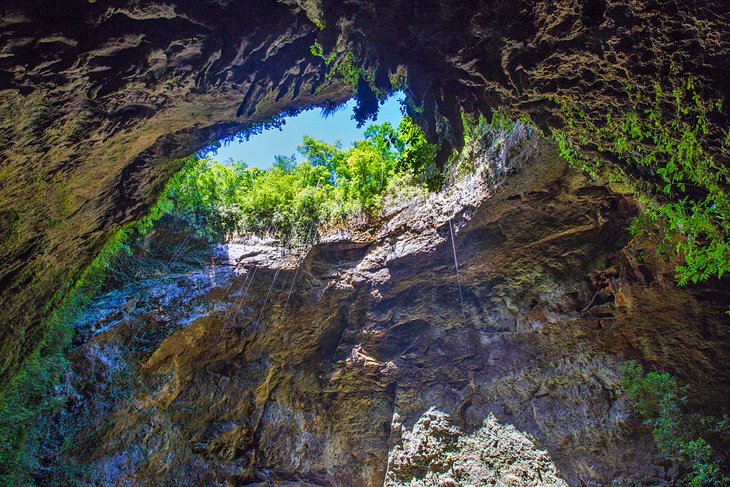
[101,105]
[299,175]
[332,126]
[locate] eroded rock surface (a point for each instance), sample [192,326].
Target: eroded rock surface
[436,453]
[240,372]
[98,97]
[96,102]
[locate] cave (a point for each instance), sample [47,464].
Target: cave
[390,375]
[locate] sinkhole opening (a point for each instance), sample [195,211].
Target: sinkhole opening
[293,178]
[334,127]
[320,173]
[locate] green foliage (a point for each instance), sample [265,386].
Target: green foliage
[32,398]
[660,150]
[292,199]
[313,10]
[418,155]
[348,69]
[317,50]
[27,404]
[477,128]
[331,186]
[351,70]
[197,193]
[486,145]
[662,404]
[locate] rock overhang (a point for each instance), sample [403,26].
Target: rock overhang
[97,98]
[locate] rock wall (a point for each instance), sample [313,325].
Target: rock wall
[370,363]
[96,102]
[98,97]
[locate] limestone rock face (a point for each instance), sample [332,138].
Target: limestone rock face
[98,97]
[96,102]
[368,364]
[435,453]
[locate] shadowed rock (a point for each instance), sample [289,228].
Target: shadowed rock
[97,98]
[373,372]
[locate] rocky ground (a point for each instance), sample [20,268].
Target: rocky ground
[370,363]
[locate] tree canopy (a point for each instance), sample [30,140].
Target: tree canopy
[291,199]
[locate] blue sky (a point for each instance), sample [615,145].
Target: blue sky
[259,150]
